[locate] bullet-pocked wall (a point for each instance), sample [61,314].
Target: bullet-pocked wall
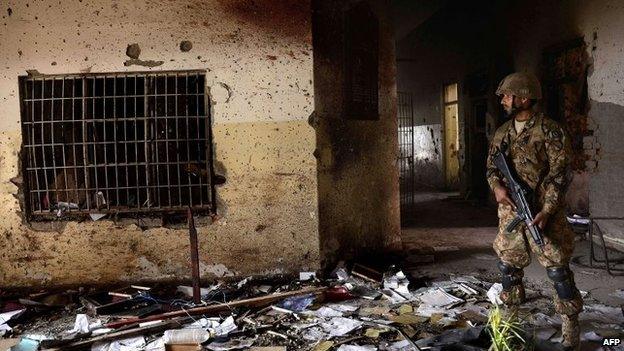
[599,186]
[259,73]
[358,173]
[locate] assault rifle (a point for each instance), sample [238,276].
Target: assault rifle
[520,194]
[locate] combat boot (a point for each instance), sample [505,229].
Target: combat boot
[513,296]
[570,332]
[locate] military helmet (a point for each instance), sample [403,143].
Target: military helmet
[522,85]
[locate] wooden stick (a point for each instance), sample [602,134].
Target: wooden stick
[253,302]
[153,328]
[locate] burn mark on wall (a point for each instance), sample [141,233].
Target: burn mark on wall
[284,18]
[566,93]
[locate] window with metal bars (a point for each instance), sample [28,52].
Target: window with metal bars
[114,143]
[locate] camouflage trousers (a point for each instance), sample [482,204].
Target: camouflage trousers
[515,249]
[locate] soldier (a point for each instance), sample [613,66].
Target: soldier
[539,150]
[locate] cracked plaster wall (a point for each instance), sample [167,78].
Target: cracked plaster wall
[258,63]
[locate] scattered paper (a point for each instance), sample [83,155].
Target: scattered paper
[226,327]
[314,334]
[206,323]
[97,216]
[129,344]
[395,288]
[494,294]
[188,290]
[439,298]
[307,275]
[426,310]
[81,325]
[340,326]
[233,344]
[325,311]
[100,331]
[357,348]
[467,289]
[7,316]
[243,282]
[264,288]
[403,345]
[343,307]
[393,296]
[364,292]
[156,345]
[341,274]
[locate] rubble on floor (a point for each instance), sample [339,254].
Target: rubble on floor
[355,310]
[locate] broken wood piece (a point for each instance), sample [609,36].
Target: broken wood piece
[183,347]
[129,292]
[133,307]
[279,335]
[152,328]
[366,273]
[194,256]
[252,302]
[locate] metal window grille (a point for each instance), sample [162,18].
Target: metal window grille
[405,111]
[115,143]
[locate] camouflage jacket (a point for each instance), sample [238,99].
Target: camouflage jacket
[540,154]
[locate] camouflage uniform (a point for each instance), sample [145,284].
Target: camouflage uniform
[540,154]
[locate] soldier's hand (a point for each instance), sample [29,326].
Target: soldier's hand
[502,196]
[540,220]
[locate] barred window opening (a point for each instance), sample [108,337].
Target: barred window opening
[115,143]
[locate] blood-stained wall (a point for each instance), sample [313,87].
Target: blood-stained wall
[258,61]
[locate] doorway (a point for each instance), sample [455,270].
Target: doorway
[451,136]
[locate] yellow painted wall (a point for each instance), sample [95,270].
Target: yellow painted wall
[259,75]
[451,145]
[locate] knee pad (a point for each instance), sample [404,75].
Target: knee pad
[511,275]
[562,278]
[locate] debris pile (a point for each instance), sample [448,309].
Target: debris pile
[355,310]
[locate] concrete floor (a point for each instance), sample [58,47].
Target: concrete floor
[463,235]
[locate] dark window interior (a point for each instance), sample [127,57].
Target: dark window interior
[115,143]
[361,63]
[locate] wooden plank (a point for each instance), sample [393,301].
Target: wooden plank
[212,309]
